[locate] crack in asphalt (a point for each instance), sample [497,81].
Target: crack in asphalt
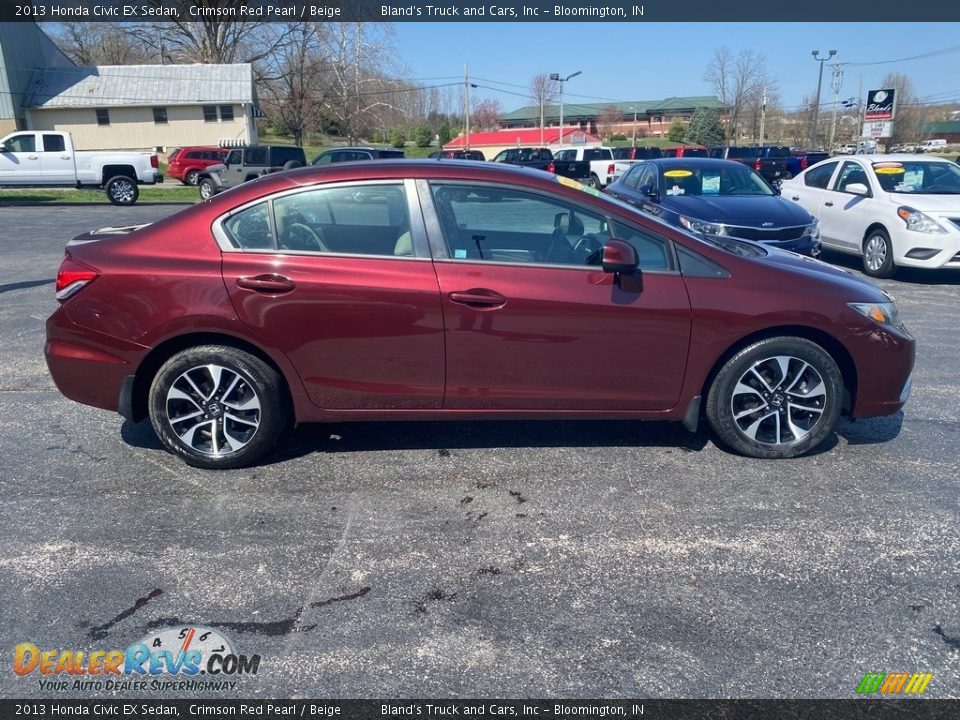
[101,631]
[952,641]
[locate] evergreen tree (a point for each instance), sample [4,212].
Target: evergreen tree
[676,132]
[424,136]
[705,128]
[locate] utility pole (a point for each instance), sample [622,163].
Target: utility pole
[634,126]
[763,115]
[557,78]
[466,107]
[816,104]
[836,84]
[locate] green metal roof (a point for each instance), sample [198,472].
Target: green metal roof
[950,126]
[641,107]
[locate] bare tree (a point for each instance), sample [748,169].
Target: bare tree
[357,77]
[911,114]
[487,114]
[544,93]
[292,91]
[99,44]
[609,117]
[209,39]
[739,82]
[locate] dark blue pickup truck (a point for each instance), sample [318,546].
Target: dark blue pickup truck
[773,162]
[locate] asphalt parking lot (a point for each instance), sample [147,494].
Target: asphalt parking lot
[521,559]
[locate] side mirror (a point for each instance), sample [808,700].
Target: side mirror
[620,258]
[650,191]
[857,189]
[8,146]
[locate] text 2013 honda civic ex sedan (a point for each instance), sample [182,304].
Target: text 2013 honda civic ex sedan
[459,290]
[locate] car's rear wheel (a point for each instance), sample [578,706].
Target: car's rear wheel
[594,182]
[192,177]
[122,190]
[218,407]
[878,254]
[776,398]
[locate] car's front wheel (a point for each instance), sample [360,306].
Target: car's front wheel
[207,188]
[878,254]
[776,398]
[217,407]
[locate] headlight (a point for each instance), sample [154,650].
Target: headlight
[919,221]
[702,226]
[813,230]
[883,313]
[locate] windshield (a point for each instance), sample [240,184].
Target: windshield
[712,181]
[919,177]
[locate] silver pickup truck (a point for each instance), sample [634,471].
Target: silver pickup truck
[44,158]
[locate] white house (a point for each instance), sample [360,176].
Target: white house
[126,107]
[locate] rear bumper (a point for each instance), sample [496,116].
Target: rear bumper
[86,366]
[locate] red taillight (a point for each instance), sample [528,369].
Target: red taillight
[611,169]
[757,165]
[551,168]
[154,162]
[72,276]
[804,163]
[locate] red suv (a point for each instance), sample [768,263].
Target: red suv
[424,290]
[186,163]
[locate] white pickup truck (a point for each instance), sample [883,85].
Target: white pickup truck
[603,168]
[44,158]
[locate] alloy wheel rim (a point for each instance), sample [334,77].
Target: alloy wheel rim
[779,400]
[876,252]
[205,190]
[122,191]
[213,409]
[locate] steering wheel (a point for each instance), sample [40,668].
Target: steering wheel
[940,187]
[302,237]
[588,244]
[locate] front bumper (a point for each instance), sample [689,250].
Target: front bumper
[884,357]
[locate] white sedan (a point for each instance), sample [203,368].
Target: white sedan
[894,210]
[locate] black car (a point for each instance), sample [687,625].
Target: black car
[718,198]
[642,152]
[457,155]
[351,154]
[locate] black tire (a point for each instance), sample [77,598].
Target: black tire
[878,254]
[291,164]
[122,190]
[207,188]
[807,398]
[192,177]
[594,182]
[218,419]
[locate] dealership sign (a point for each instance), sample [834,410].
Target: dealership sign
[877,130]
[880,105]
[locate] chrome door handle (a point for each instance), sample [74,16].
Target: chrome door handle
[269,284]
[478,297]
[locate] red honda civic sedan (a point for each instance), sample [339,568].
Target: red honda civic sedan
[459,290]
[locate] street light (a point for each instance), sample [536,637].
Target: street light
[816,105]
[556,78]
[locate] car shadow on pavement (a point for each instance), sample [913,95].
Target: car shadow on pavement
[312,438]
[870,431]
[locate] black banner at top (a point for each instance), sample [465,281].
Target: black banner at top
[599,11]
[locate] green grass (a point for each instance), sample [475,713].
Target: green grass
[172,193]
